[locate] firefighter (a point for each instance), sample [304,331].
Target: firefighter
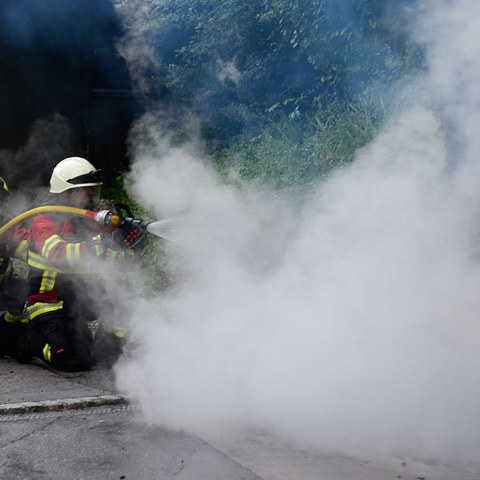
[13,288]
[63,291]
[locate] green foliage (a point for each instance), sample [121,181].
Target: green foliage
[288,153]
[286,90]
[236,63]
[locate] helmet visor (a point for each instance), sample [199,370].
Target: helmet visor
[87,197]
[94,176]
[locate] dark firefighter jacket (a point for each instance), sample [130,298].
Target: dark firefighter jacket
[61,257]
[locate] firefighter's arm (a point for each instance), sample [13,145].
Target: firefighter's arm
[112,247]
[15,244]
[19,241]
[57,251]
[68,255]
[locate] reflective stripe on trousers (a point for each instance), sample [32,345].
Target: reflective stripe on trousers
[39,308]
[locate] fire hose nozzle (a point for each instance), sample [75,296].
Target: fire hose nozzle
[140,224]
[109,219]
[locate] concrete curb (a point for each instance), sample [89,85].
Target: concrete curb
[61,404]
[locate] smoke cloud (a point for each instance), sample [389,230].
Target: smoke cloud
[49,139]
[350,320]
[58,61]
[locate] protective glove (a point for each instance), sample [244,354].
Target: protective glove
[134,238]
[110,247]
[103,242]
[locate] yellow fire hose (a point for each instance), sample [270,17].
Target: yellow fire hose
[104,217]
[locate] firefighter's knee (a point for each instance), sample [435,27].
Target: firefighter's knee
[61,356]
[108,346]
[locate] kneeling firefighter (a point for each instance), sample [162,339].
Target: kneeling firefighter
[13,288]
[63,290]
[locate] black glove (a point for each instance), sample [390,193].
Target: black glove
[133,237]
[118,238]
[106,241]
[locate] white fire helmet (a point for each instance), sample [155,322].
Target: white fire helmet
[74,172]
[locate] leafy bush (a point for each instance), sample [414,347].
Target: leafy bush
[242,64]
[292,153]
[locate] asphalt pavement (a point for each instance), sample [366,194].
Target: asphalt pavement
[75,426]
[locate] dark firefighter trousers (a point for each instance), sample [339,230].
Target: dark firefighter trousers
[13,292]
[63,341]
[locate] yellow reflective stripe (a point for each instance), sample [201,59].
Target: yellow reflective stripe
[48,281]
[39,308]
[47,352]
[114,256]
[114,329]
[50,243]
[11,318]
[97,242]
[21,250]
[37,261]
[73,254]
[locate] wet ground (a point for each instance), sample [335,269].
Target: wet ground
[74,426]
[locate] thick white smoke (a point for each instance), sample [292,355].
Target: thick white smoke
[352,321]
